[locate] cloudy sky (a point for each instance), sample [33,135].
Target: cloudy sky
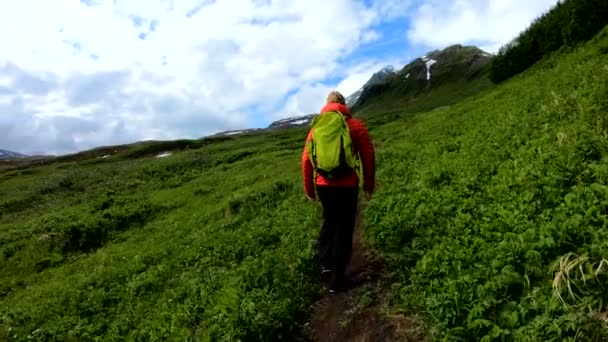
[78,74]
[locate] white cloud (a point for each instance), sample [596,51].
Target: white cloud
[308,100]
[488,23]
[371,36]
[164,69]
[311,97]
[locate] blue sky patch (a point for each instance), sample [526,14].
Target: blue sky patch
[76,47]
[137,20]
[90,2]
[153,25]
[198,8]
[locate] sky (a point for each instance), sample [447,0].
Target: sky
[81,74]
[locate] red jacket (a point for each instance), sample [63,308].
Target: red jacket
[363,147]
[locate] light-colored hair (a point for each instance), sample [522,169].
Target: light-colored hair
[336,97]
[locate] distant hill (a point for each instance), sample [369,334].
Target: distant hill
[4,154]
[297,121]
[292,122]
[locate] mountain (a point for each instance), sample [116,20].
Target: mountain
[376,78]
[439,78]
[292,122]
[297,121]
[4,154]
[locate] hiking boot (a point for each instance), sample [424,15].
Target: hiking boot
[327,276]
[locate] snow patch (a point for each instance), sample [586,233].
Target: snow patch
[299,122]
[164,154]
[234,132]
[291,118]
[407,76]
[428,68]
[104,156]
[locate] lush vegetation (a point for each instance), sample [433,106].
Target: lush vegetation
[495,211]
[568,23]
[492,213]
[213,243]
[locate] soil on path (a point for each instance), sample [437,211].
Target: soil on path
[358,314]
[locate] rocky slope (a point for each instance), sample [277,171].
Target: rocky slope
[376,78]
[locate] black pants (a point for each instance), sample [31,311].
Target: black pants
[336,238]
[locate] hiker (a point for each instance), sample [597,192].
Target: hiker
[337,182]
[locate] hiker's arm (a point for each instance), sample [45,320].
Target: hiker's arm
[368,159]
[307,172]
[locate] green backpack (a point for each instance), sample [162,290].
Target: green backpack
[330,149]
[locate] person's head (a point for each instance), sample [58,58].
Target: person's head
[336,97]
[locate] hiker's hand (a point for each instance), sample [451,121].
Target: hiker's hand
[310,198]
[369,195]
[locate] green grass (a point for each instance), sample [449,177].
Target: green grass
[479,208]
[209,244]
[478,203]
[444,96]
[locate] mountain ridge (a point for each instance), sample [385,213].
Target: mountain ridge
[456,66]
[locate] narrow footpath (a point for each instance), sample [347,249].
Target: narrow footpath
[358,314]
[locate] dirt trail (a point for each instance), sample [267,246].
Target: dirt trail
[357,314]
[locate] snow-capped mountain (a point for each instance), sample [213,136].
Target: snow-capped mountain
[297,121]
[456,64]
[237,132]
[378,77]
[4,154]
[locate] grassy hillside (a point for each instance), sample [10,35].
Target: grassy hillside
[479,203]
[476,206]
[208,244]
